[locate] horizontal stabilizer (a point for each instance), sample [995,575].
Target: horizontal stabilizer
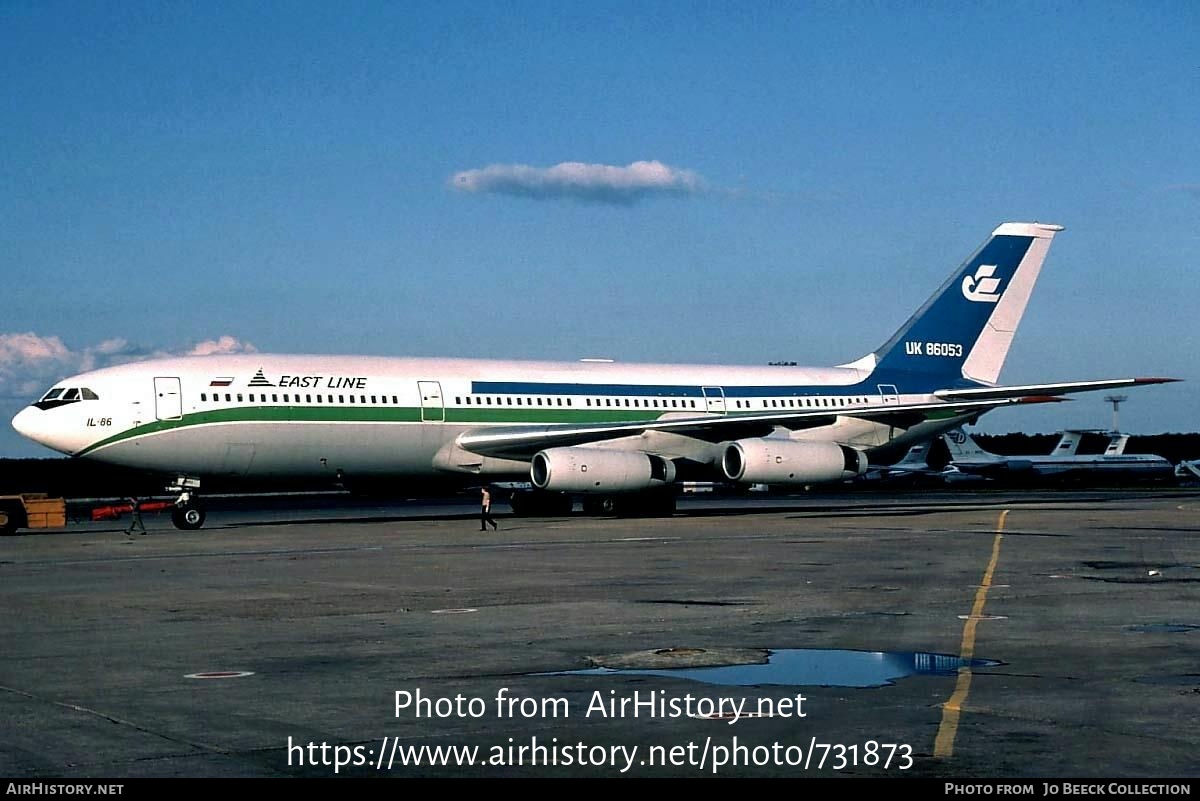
[1031,390]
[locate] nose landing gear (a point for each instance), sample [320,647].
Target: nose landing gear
[188,514]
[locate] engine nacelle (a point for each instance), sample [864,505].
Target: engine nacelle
[598,470]
[786,461]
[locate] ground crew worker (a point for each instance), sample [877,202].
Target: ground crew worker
[485,512]
[135,517]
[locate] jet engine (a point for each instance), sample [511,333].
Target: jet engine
[787,461]
[598,470]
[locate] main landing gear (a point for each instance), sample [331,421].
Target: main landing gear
[188,514]
[538,503]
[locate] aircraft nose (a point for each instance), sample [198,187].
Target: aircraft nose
[30,423]
[23,422]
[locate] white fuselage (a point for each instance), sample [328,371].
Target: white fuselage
[313,416]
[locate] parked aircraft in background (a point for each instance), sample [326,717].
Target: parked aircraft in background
[912,470]
[966,456]
[1188,470]
[627,432]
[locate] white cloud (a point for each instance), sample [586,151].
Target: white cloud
[30,363]
[597,183]
[29,348]
[223,344]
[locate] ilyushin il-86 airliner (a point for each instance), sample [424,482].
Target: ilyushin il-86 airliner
[622,435]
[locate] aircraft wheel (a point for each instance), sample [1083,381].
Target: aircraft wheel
[598,505]
[12,516]
[188,518]
[650,504]
[525,503]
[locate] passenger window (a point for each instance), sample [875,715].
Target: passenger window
[342,399]
[252,397]
[228,398]
[308,398]
[239,397]
[393,399]
[456,400]
[559,401]
[319,399]
[274,399]
[203,396]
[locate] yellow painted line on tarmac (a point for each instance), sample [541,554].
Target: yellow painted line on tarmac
[943,746]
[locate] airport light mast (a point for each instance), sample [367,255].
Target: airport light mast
[1116,401]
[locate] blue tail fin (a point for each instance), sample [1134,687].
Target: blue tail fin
[965,330]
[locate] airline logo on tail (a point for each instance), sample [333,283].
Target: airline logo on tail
[958,436]
[981,288]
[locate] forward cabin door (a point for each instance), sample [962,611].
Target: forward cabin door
[168,403]
[714,399]
[432,408]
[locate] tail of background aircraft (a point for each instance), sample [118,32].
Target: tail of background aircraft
[916,458]
[1116,444]
[965,329]
[964,448]
[1068,443]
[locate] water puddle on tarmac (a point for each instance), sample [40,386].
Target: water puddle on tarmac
[802,667]
[1164,628]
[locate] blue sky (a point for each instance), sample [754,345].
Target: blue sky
[281,175]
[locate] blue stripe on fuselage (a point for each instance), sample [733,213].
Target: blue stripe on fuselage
[905,383]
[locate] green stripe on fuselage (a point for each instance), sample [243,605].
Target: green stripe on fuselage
[379,414]
[408,414]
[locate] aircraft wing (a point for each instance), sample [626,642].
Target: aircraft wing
[897,470]
[995,393]
[522,442]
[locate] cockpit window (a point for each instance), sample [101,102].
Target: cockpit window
[88,394]
[54,393]
[71,394]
